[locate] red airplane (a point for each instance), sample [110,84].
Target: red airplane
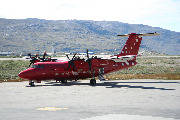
[76,68]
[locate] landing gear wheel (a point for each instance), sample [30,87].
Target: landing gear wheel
[31,83]
[57,80]
[63,81]
[92,81]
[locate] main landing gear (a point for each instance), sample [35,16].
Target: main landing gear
[63,81]
[93,81]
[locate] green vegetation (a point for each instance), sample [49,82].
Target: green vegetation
[150,68]
[162,68]
[10,57]
[9,69]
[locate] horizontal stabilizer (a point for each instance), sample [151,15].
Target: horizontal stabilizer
[141,34]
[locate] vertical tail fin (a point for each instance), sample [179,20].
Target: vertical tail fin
[132,44]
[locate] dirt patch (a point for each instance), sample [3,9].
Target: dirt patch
[143,76]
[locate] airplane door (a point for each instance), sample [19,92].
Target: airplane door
[101,71]
[41,73]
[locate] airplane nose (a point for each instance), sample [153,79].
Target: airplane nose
[23,75]
[26,74]
[20,74]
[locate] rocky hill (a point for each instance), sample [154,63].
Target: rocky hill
[37,36]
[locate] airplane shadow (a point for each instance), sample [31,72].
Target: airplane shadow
[105,84]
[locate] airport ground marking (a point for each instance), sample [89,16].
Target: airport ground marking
[52,108]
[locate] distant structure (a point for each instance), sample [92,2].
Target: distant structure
[91,53]
[60,54]
[7,53]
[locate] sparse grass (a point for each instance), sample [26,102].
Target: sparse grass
[162,68]
[9,69]
[9,56]
[150,68]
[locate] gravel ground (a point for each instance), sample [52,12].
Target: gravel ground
[118,100]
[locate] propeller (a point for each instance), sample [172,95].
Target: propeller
[71,62]
[43,59]
[89,60]
[32,59]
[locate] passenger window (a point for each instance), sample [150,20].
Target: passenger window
[38,66]
[42,66]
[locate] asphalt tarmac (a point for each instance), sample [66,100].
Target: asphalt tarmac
[116,100]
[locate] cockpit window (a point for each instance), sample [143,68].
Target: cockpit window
[37,66]
[34,66]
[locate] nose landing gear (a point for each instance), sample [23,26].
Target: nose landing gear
[31,83]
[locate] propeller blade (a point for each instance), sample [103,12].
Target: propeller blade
[87,54]
[29,55]
[30,64]
[44,55]
[71,62]
[89,60]
[73,65]
[89,63]
[73,56]
[32,61]
[36,55]
[67,56]
[68,67]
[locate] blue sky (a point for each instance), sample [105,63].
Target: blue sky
[156,13]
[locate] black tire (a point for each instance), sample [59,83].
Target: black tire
[31,83]
[64,81]
[92,81]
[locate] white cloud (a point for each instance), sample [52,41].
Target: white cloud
[149,12]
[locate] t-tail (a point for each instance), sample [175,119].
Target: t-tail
[133,42]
